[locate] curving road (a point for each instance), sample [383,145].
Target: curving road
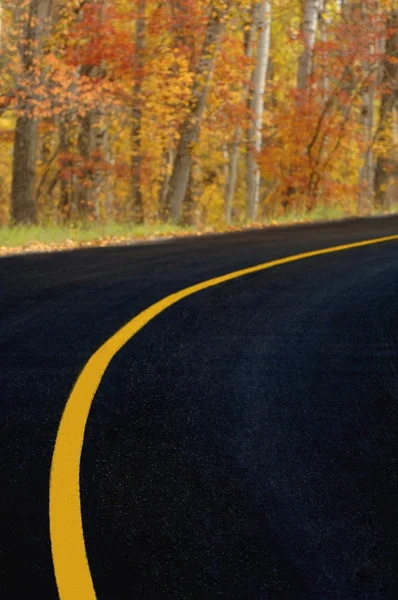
[242,445]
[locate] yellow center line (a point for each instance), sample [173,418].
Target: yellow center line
[71,566]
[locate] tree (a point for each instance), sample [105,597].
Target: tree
[256,105]
[309,28]
[92,133]
[230,188]
[190,129]
[136,151]
[387,162]
[33,24]
[181,109]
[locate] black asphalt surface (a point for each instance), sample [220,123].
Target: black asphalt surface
[242,445]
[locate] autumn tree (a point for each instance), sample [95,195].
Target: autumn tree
[249,28]
[91,135]
[309,28]
[190,129]
[387,161]
[197,111]
[32,22]
[262,21]
[137,202]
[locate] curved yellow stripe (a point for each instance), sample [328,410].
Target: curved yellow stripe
[71,567]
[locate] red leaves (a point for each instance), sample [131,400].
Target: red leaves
[96,40]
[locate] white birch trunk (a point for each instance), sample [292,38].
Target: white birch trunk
[367,172]
[310,20]
[324,22]
[263,25]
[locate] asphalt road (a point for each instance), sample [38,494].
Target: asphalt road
[242,445]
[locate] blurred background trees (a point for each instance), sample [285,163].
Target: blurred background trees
[196,111]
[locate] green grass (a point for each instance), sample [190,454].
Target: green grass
[318,214]
[62,236]
[327,213]
[393,210]
[52,234]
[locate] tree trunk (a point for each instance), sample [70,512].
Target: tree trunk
[164,189]
[188,215]
[1,24]
[23,200]
[65,203]
[108,181]
[90,143]
[232,174]
[137,203]
[324,22]
[191,127]
[367,172]
[387,164]
[234,158]
[310,20]
[263,25]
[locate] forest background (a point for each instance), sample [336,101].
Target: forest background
[156,115]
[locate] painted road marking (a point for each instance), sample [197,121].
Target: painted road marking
[71,566]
